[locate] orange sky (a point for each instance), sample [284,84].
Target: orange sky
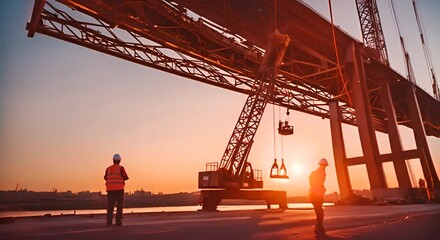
[65,110]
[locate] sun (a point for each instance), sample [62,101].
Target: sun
[297,169]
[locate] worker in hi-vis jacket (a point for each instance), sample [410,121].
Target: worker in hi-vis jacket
[115,176]
[316,193]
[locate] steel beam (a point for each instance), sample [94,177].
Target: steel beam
[356,76]
[415,116]
[394,137]
[387,157]
[35,19]
[189,48]
[339,153]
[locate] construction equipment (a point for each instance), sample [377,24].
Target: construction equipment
[372,33]
[235,171]
[283,129]
[280,172]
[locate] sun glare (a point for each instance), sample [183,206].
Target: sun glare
[297,169]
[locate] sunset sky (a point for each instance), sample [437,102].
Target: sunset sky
[65,110]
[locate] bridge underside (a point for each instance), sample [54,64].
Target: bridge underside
[220,42]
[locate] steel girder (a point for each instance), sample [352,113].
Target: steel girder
[165,36]
[166,48]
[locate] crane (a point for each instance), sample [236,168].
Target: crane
[373,37]
[372,33]
[235,171]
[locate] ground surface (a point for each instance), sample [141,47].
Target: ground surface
[341,222]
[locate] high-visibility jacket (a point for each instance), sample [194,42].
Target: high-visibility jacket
[115,177]
[317,179]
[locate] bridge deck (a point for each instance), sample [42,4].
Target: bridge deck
[224,49]
[311,33]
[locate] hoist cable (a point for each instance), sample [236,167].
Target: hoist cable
[282,147]
[275,15]
[274,133]
[344,83]
[281,136]
[426,51]
[409,71]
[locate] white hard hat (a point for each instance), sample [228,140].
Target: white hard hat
[116,157]
[323,161]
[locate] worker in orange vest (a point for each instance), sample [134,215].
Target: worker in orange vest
[115,177]
[316,193]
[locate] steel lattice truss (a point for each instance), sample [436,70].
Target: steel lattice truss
[167,48]
[166,36]
[234,159]
[372,28]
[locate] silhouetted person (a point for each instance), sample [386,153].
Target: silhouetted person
[424,192]
[422,183]
[316,193]
[115,177]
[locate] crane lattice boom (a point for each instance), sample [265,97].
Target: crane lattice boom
[234,160]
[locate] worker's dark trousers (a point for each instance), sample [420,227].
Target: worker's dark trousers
[317,202]
[115,197]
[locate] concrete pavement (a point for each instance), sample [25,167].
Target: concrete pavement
[341,222]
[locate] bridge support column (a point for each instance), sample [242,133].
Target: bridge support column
[431,177]
[399,161]
[339,153]
[356,76]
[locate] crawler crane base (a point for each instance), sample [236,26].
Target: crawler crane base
[211,198]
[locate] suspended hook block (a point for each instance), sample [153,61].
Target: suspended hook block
[280,172]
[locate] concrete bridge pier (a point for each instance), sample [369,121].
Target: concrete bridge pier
[422,151]
[356,77]
[339,153]
[399,161]
[372,158]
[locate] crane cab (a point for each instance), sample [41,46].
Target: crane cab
[215,177]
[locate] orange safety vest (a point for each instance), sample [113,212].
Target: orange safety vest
[114,179]
[316,180]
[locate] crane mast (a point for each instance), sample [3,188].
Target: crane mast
[371,27]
